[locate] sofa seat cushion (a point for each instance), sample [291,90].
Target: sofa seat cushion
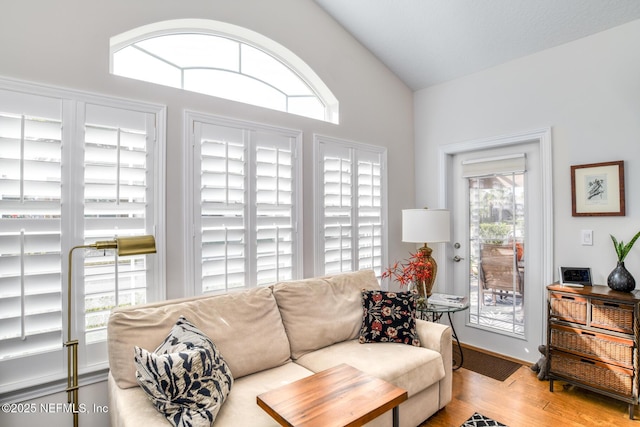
[246,328]
[241,407]
[322,311]
[131,408]
[411,368]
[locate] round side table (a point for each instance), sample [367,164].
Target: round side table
[433,313]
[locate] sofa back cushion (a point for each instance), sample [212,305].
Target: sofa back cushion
[322,311]
[246,328]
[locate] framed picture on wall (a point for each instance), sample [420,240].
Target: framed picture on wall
[597,189]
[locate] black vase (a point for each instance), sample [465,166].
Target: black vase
[621,280]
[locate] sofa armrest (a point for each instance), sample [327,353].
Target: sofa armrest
[434,336]
[437,337]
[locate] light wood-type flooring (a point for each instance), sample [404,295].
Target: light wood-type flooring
[524,401]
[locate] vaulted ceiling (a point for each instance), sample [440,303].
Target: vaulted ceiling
[427,42]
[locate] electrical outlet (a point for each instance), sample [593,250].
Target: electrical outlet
[587,237]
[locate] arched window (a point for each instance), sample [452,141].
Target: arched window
[222,60]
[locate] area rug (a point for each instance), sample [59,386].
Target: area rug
[488,365]
[478,420]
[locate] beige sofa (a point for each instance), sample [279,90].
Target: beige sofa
[274,335]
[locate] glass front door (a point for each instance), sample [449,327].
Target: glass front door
[498,251]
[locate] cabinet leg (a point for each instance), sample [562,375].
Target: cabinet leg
[551,385]
[632,408]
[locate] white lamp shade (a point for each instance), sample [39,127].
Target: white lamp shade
[425,225]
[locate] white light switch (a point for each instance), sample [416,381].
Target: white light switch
[587,237]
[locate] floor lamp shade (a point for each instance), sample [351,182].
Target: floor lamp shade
[425,225]
[124,246]
[137,245]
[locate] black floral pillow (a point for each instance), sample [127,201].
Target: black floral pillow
[389,317]
[186,377]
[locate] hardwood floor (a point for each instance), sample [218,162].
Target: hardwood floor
[524,401]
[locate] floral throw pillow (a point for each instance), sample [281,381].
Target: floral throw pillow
[389,317]
[186,378]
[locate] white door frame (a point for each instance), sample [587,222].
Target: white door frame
[543,138]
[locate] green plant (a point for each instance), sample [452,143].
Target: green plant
[494,232]
[621,249]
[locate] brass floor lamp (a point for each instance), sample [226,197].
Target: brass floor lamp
[124,246]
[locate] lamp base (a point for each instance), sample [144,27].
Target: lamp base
[425,289]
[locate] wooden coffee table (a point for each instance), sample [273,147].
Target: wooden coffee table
[341,396]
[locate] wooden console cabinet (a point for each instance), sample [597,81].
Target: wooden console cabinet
[593,339]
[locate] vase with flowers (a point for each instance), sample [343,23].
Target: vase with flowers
[416,272]
[620,279]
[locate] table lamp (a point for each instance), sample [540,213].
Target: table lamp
[422,226]
[124,246]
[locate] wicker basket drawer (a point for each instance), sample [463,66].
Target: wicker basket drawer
[568,307]
[612,316]
[589,372]
[593,345]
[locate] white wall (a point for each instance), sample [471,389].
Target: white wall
[588,92]
[65,43]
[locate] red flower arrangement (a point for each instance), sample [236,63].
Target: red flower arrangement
[417,270]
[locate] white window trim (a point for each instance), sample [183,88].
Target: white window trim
[70,100]
[318,222]
[192,285]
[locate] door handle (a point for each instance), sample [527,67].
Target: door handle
[457,258]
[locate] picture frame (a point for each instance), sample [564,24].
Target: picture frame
[597,189]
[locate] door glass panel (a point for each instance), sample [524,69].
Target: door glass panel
[497,249]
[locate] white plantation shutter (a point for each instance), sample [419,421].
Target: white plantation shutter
[351,185]
[30,234]
[30,226]
[246,211]
[118,146]
[370,211]
[274,217]
[223,207]
[74,169]
[339,210]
